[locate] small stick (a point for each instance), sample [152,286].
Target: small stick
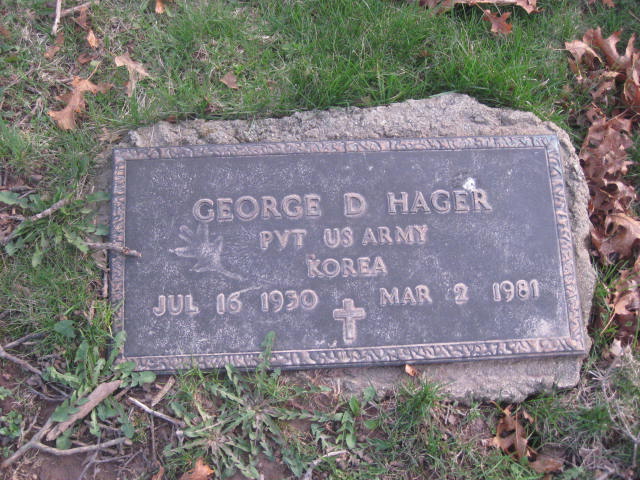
[309,473]
[31,443]
[74,451]
[115,247]
[70,11]
[21,340]
[24,364]
[45,213]
[52,209]
[176,422]
[54,29]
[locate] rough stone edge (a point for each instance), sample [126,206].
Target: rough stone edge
[442,115]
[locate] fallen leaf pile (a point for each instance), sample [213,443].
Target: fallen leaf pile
[498,22]
[67,117]
[613,81]
[511,437]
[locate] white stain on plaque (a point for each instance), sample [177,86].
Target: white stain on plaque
[469,184]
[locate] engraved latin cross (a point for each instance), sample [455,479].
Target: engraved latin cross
[348,315]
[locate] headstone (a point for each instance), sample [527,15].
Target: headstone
[365,250]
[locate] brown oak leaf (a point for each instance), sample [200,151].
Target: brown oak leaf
[607,45]
[136,71]
[55,48]
[546,464]
[4,32]
[66,118]
[529,5]
[159,475]
[410,370]
[626,302]
[632,83]
[230,80]
[92,40]
[498,22]
[160,6]
[510,435]
[608,3]
[582,51]
[82,20]
[85,57]
[623,235]
[200,471]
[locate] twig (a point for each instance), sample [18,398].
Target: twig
[176,422]
[75,451]
[38,216]
[52,209]
[98,394]
[31,443]
[21,340]
[24,364]
[70,11]
[309,473]
[115,247]
[48,398]
[56,22]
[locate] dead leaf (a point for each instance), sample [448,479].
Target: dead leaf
[520,440]
[82,20]
[136,71]
[4,32]
[92,40]
[410,370]
[159,474]
[230,81]
[498,23]
[200,471]
[160,6]
[529,5]
[55,48]
[623,235]
[66,118]
[157,398]
[545,464]
[442,5]
[607,45]
[615,350]
[510,435]
[579,50]
[632,83]
[85,57]
[101,392]
[608,3]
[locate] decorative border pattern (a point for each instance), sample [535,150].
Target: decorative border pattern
[573,344]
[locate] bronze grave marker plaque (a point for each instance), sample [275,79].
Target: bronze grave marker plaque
[353,252]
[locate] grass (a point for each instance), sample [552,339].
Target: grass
[288,55]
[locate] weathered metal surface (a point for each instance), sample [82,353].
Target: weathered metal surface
[352,252]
